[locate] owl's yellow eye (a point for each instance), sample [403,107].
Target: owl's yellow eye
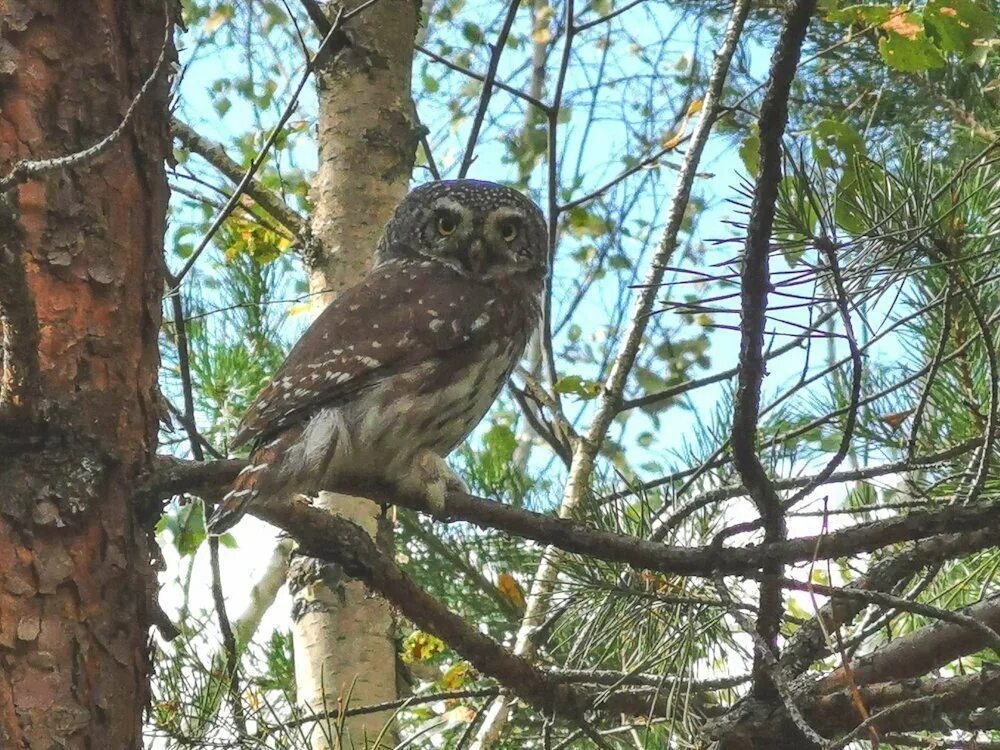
[446,225]
[508,231]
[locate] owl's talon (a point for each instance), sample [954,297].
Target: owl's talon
[435,497]
[431,479]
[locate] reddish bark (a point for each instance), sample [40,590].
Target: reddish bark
[76,577]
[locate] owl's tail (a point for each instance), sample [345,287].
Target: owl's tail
[255,479]
[237,501]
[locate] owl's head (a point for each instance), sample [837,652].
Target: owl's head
[481,230]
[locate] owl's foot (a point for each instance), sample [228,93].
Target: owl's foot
[432,479]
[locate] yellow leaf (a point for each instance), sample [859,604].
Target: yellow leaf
[511,590]
[456,675]
[541,35]
[674,141]
[216,20]
[253,698]
[695,107]
[421,646]
[895,419]
[459,715]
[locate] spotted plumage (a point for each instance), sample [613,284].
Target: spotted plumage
[397,371]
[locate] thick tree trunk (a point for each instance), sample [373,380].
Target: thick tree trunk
[344,637]
[80,284]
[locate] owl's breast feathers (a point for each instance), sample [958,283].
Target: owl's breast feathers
[403,315]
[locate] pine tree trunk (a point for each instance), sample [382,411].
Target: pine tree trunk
[344,637]
[80,286]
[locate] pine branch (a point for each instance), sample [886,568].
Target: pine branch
[177,475]
[920,652]
[809,642]
[754,289]
[337,540]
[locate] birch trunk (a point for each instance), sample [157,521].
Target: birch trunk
[344,637]
[81,261]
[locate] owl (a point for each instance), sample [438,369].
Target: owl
[399,369]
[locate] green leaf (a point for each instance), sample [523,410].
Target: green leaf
[186,526]
[862,15]
[472,33]
[500,443]
[750,153]
[431,85]
[576,386]
[841,136]
[582,223]
[955,24]
[906,46]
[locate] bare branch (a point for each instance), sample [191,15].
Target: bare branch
[484,97]
[335,539]
[830,250]
[973,627]
[534,101]
[228,640]
[808,643]
[315,12]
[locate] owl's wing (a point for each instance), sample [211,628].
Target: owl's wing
[401,314]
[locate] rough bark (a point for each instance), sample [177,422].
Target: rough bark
[344,636]
[85,245]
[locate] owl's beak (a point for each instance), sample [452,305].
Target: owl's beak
[478,256]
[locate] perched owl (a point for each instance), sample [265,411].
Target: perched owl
[398,369]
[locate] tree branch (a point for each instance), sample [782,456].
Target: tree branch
[215,154]
[534,101]
[484,98]
[177,476]
[754,289]
[808,643]
[921,651]
[335,539]
[976,631]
